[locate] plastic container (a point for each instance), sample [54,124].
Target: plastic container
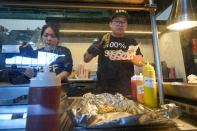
[140,88]
[44,102]
[134,88]
[150,90]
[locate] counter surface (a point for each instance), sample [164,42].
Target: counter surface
[12,116]
[17,121]
[182,90]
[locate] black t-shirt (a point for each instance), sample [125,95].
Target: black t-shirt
[115,69]
[115,73]
[64,62]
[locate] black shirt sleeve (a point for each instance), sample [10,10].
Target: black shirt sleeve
[64,62]
[27,51]
[68,65]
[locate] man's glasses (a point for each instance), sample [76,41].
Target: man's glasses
[119,22]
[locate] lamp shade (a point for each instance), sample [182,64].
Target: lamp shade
[182,15]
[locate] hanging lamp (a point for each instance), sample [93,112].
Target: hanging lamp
[182,15]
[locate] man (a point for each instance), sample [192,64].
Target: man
[116,57]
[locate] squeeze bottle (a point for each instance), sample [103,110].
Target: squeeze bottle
[150,90]
[44,102]
[140,88]
[133,88]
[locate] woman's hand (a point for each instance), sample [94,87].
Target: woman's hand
[63,75]
[29,72]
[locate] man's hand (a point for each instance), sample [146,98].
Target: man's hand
[137,60]
[94,49]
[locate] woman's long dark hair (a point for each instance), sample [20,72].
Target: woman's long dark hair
[53,27]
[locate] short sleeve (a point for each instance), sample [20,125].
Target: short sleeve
[68,65]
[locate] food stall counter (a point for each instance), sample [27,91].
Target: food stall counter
[180,89]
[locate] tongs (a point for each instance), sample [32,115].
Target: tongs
[169,110]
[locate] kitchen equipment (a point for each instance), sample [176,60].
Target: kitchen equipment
[182,94]
[181,90]
[13,94]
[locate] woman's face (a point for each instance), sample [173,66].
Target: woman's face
[49,38]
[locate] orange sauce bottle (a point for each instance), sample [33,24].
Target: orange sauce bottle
[140,88]
[133,88]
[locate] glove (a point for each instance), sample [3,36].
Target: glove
[26,50]
[95,48]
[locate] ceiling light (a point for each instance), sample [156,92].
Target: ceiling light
[104,31]
[182,15]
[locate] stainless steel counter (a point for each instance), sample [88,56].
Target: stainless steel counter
[182,90]
[18,123]
[12,116]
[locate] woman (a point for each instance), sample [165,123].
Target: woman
[62,66]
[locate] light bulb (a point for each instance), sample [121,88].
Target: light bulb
[182,25]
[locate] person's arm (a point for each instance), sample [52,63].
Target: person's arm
[92,51]
[138,58]
[63,75]
[27,51]
[88,57]
[68,65]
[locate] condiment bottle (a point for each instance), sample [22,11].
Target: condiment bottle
[150,90]
[133,88]
[140,88]
[44,102]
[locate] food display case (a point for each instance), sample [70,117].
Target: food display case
[182,94]
[182,90]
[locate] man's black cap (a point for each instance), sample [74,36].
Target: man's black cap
[117,13]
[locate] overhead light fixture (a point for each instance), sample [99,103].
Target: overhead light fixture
[182,15]
[104,31]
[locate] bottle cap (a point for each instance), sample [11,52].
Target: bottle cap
[134,77]
[148,66]
[139,77]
